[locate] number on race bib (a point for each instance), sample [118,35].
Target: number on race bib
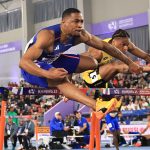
[93,76]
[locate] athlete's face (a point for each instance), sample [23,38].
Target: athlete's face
[73,24]
[121,43]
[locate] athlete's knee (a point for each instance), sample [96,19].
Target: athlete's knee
[123,68]
[93,62]
[87,63]
[113,67]
[97,55]
[116,67]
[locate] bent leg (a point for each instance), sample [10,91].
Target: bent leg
[86,63]
[72,92]
[111,122]
[116,139]
[108,71]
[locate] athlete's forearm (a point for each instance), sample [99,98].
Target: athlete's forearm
[113,51]
[140,53]
[29,66]
[146,68]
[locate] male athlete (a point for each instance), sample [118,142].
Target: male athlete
[44,63]
[109,67]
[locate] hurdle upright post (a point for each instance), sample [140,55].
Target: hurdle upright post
[97,134]
[4,93]
[94,132]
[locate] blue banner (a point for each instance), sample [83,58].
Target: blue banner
[133,113]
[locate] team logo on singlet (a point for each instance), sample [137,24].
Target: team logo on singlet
[51,58]
[56,48]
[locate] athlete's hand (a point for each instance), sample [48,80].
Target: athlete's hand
[56,73]
[135,68]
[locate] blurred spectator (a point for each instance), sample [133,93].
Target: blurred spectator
[124,106]
[130,106]
[121,118]
[10,133]
[27,100]
[145,104]
[21,102]
[57,125]
[20,131]
[128,120]
[136,105]
[70,121]
[28,133]
[84,129]
[57,128]
[13,114]
[83,124]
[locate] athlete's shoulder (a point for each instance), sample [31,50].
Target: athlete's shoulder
[53,27]
[49,32]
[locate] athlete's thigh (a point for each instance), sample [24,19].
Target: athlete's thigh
[109,70]
[56,82]
[86,63]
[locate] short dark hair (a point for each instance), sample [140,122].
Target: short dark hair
[69,11]
[120,33]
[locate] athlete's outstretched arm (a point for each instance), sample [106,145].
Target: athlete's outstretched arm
[97,43]
[138,52]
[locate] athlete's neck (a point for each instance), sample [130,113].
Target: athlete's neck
[64,36]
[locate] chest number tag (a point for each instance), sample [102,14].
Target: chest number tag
[93,76]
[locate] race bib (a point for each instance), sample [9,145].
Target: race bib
[93,76]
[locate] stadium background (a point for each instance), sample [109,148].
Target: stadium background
[21,19]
